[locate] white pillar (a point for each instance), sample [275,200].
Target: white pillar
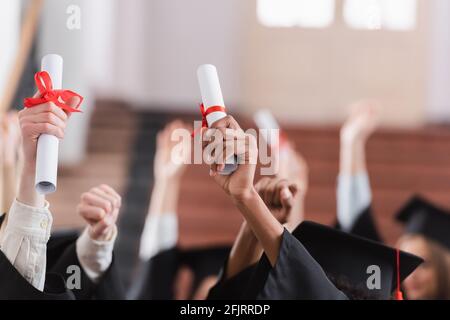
[9,39]
[438,71]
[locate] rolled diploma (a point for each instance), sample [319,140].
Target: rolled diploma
[47,146]
[208,80]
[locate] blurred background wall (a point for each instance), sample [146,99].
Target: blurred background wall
[146,53]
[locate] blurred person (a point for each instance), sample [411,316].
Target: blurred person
[92,251]
[431,279]
[23,241]
[290,164]
[280,196]
[10,158]
[293,167]
[426,235]
[33,266]
[291,179]
[354,195]
[311,262]
[167,271]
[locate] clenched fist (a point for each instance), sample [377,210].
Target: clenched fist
[99,207]
[278,195]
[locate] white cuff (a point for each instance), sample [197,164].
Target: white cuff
[30,221]
[95,256]
[160,233]
[24,241]
[353,196]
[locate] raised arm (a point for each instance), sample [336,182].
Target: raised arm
[161,225]
[280,196]
[11,162]
[293,167]
[24,240]
[12,157]
[225,136]
[99,207]
[353,186]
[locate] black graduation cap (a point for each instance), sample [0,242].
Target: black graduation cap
[349,258]
[422,217]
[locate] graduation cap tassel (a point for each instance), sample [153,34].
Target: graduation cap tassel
[398,292]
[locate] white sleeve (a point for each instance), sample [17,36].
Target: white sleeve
[95,256]
[160,233]
[353,197]
[24,241]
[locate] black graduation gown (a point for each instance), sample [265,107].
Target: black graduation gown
[14,287]
[296,276]
[61,253]
[364,226]
[156,281]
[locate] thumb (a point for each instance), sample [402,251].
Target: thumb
[74,102]
[286,198]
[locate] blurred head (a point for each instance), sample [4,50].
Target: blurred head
[186,288]
[431,280]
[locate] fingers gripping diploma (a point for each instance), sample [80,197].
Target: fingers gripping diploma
[49,84]
[213,107]
[99,207]
[226,140]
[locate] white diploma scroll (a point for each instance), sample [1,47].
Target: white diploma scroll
[47,146]
[212,96]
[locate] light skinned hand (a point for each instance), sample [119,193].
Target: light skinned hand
[171,155]
[46,118]
[100,207]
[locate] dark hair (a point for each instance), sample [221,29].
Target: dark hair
[351,291]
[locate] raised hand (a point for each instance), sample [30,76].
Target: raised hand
[360,125]
[362,122]
[99,207]
[170,163]
[225,139]
[293,167]
[46,118]
[279,196]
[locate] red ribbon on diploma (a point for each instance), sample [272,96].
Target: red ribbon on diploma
[47,94]
[205,112]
